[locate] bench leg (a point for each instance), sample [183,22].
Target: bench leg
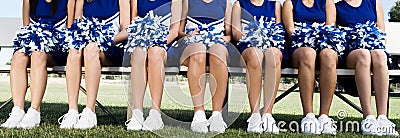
[387,112]
[5,103]
[225,105]
[10,100]
[348,102]
[287,92]
[283,95]
[116,120]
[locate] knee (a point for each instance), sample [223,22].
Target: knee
[199,59]
[379,58]
[156,55]
[38,59]
[307,57]
[277,54]
[20,58]
[252,61]
[364,58]
[91,51]
[74,55]
[328,58]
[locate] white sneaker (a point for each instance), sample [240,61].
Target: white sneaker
[310,125]
[327,125]
[87,119]
[255,123]
[153,121]
[68,120]
[16,116]
[370,126]
[387,128]
[200,122]
[30,120]
[217,123]
[136,122]
[269,124]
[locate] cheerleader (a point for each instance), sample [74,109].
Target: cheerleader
[97,33]
[38,44]
[310,25]
[154,27]
[206,28]
[259,31]
[363,22]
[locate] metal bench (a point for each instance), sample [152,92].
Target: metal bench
[233,71]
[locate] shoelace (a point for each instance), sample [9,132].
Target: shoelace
[84,119]
[134,117]
[159,120]
[63,118]
[389,123]
[221,120]
[27,117]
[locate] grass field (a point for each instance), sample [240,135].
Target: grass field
[177,113]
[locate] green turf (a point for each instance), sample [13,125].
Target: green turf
[112,95]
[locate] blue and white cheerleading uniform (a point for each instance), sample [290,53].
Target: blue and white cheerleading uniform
[152,25]
[209,18]
[258,23]
[46,32]
[311,30]
[359,23]
[99,24]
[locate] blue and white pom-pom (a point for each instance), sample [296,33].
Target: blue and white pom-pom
[147,32]
[333,38]
[319,36]
[39,37]
[208,36]
[365,36]
[307,35]
[263,33]
[91,30]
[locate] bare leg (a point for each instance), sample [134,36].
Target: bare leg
[138,76]
[156,56]
[253,57]
[327,78]
[73,76]
[218,75]
[381,80]
[304,60]
[273,59]
[92,73]
[196,63]
[39,77]
[360,60]
[19,78]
